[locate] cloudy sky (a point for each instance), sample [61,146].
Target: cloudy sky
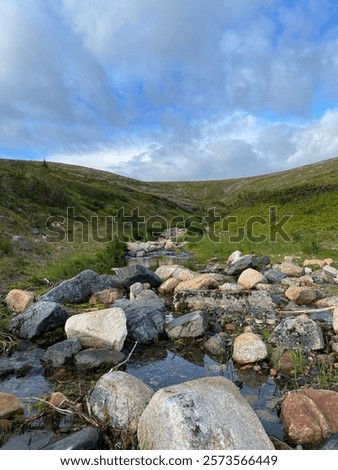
[170,89]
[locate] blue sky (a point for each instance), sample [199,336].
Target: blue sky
[170,89]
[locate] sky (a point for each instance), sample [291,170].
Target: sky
[167,90]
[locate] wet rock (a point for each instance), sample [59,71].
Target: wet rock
[30,440]
[103,328]
[191,325]
[18,300]
[216,345]
[301,295]
[86,439]
[9,406]
[296,332]
[60,353]
[201,281]
[80,287]
[92,358]
[118,400]
[21,363]
[249,348]
[40,318]
[207,413]
[136,273]
[291,269]
[145,320]
[303,422]
[106,296]
[250,278]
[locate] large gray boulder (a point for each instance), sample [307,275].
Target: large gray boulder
[296,332]
[203,414]
[190,325]
[145,318]
[38,319]
[129,275]
[103,328]
[118,400]
[80,287]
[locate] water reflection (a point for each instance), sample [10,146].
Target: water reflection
[153,262]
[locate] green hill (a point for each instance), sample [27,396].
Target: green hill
[34,197]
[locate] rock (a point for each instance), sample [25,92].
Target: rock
[302,420]
[9,406]
[215,345]
[327,403]
[38,319]
[335,320]
[175,271]
[145,320]
[137,273]
[106,296]
[149,296]
[249,348]
[201,281]
[203,414]
[135,290]
[103,328]
[18,300]
[296,332]
[237,267]
[118,400]
[235,256]
[330,272]
[301,295]
[85,439]
[60,353]
[91,358]
[274,276]
[249,278]
[21,242]
[230,287]
[291,269]
[80,287]
[58,399]
[317,262]
[328,301]
[168,286]
[191,325]
[306,281]
[331,443]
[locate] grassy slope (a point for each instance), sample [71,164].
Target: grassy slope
[30,193]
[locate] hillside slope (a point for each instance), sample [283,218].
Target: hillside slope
[33,192]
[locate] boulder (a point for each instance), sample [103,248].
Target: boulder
[235,256]
[249,348]
[9,406]
[38,319]
[203,414]
[118,400]
[168,286]
[274,276]
[335,320]
[331,301]
[237,267]
[60,353]
[80,287]
[85,439]
[201,281]
[291,269]
[18,300]
[21,242]
[102,328]
[191,325]
[327,403]
[145,319]
[129,275]
[249,278]
[215,345]
[96,358]
[303,422]
[175,271]
[299,331]
[135,290]
[301,295]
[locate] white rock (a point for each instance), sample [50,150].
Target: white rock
[103,328]
[249,278]
[249,348]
